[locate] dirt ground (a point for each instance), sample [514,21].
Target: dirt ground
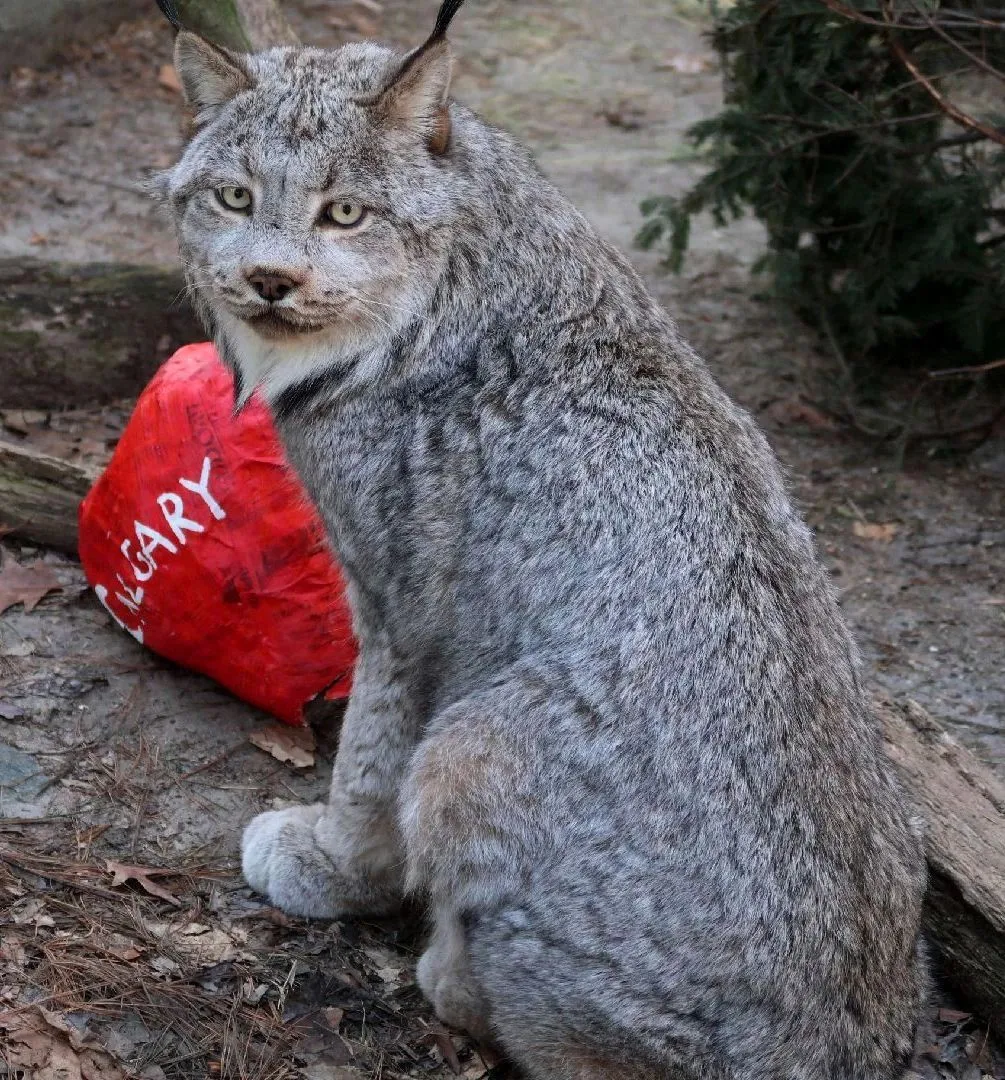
[112,761]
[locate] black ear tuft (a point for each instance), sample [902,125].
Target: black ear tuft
[448,9]
[170,12]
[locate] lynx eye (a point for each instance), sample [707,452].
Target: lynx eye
[344,213]
[234,198]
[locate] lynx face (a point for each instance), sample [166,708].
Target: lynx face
[311,200]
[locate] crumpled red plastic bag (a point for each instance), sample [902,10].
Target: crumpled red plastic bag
[200,542]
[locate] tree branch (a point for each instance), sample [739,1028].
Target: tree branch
[241,25]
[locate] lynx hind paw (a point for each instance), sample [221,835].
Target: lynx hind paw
[281,859]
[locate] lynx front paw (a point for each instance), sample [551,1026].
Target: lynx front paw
[281,858]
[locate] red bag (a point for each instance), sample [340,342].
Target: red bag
[200,542]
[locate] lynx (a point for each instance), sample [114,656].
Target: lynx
[607,719]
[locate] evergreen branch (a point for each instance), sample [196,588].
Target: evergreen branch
[921,21]
[951,110]
[978,61]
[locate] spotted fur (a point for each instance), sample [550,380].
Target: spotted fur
[607,715]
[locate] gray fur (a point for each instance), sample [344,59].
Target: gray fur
[607,715]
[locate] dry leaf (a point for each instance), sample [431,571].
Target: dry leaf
[387,965]
[25,584]
[31,912]
[252,994]
[12,953]
[446,1047]
[953,1016]
[121,873]
[124,952]
[42,1045]
[165,966]
[168,78]
[211,947]
[333,1017]
[868,530]
[287,744]
[794,410]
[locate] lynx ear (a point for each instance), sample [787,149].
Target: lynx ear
[209,75]
[416,97]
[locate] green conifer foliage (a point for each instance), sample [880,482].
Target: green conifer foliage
[884,216]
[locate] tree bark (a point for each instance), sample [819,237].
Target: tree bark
[963,804]
[74,335]
[40,495]
[242,25]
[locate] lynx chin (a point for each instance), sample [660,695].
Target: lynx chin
[607,718]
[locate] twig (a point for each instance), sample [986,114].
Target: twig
[951,110]
[964,372]
[219,759]
[7,822]
[924,21]
[59,879]
[978,61]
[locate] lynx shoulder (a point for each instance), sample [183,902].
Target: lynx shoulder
[607,718]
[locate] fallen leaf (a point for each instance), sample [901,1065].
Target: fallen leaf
[446,1047]
[121,873]
[294,746]
[12,953]
[869,530]
[164,965]
[794,410]
[125,952]
[953,1016]
[25,584]
[168,78]
[212,947]
[41,1044]
[387,965]
[252,994]
[32,912]
[333,1017]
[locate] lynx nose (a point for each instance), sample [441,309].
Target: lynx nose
[270,285]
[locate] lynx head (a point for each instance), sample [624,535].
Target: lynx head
[313,198]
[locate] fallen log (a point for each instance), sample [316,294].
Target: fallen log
[39,496]
[85,334]
[963,804]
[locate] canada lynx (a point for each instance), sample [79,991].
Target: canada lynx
[607,717]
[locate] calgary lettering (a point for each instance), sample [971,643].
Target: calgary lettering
[150,543]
